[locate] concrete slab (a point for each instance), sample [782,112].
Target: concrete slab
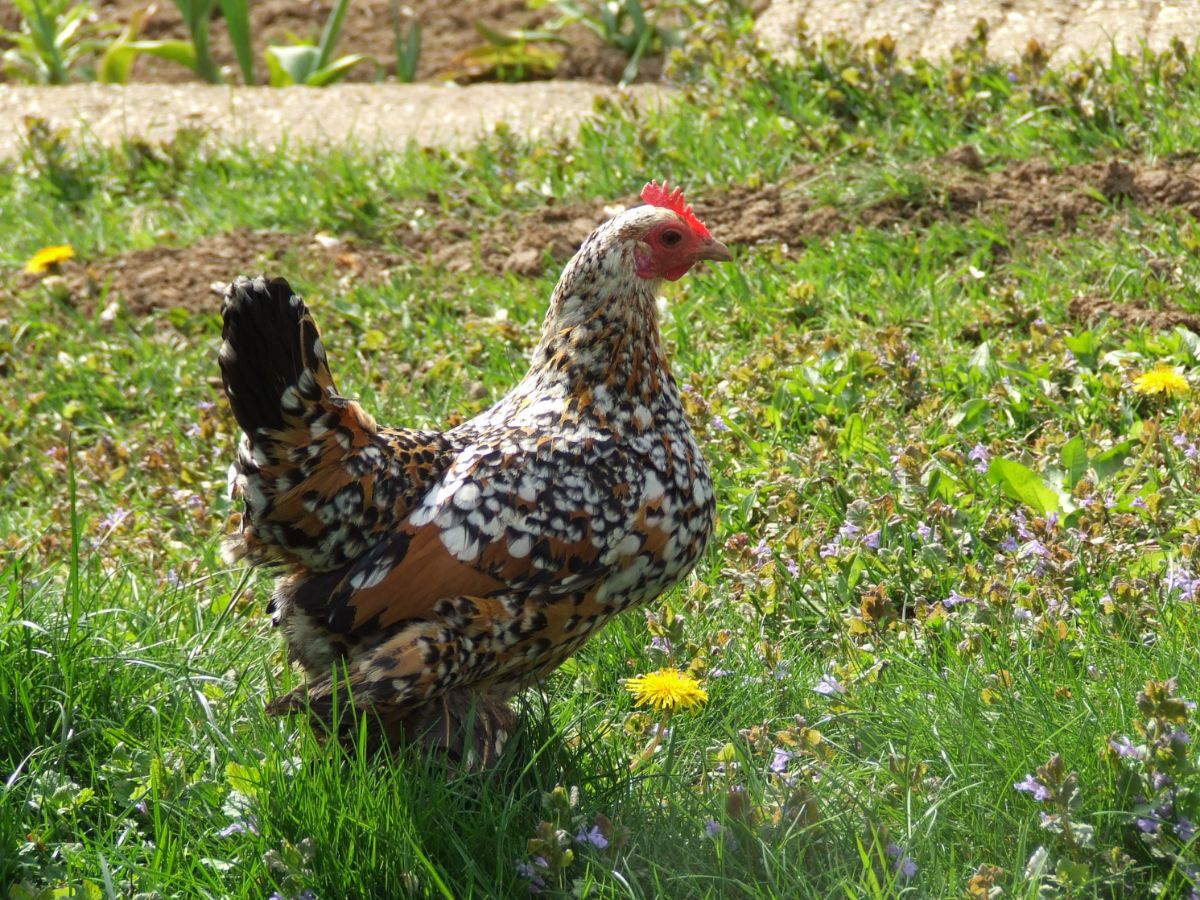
[931,28]
[389,115]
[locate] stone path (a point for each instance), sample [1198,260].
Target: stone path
[931,27]
[373,114]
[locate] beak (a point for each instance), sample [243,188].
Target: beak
[714,250]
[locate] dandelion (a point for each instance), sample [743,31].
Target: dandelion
[667,690]
[49,258]
[1165,381]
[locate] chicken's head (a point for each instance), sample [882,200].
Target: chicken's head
[670,239]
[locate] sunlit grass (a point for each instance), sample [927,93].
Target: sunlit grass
[892,628]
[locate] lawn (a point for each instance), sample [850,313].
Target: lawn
[948,626]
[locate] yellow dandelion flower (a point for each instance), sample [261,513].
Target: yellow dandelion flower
[667,690]
[49,258]
[1162,381]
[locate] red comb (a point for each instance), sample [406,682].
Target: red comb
[673,200]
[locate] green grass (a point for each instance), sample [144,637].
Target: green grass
[836,396]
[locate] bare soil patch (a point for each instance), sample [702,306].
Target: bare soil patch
[1135,312]
[1034,197]
[191,278]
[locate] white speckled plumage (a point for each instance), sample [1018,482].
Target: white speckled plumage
[447,570]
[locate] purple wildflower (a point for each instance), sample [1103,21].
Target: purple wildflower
[924,532]
[829,686]
[1030,785]
[780,760]
[793,568]
[1022,526]
[595,837]
[905,866]
[1033,548]
[762,553]
[205,404]
[848,531]
[982,457]
[1009,544]
[955,599]
[528,872]
[833,548]
[718,424]
[873,540]
[249,825]
[1123,746]
[1148,825]
[1184,583]
[713,828]
[1180,736]
[660,644]
[1184,829]
[115,518]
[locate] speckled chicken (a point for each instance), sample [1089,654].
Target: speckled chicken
[435,574]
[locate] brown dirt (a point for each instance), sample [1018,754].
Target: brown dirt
[448,29]
[1135,312]
[192,277]
[1034,196]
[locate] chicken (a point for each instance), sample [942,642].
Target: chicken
[425,577]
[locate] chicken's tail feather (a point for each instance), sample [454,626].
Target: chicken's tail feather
[272,359]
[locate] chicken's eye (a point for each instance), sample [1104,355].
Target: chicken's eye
[671,237]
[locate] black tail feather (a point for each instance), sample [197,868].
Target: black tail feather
[270,341]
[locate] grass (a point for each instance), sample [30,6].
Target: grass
[876,464]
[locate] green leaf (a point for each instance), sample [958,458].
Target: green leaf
[943,486]
[333,27]
[1084,346]
[1074,460]
[181,52]
[337,70]
[1111,461]
[981,358]
[854,437]
[1024,485]
[236,14]
[291,65]
[971,414]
